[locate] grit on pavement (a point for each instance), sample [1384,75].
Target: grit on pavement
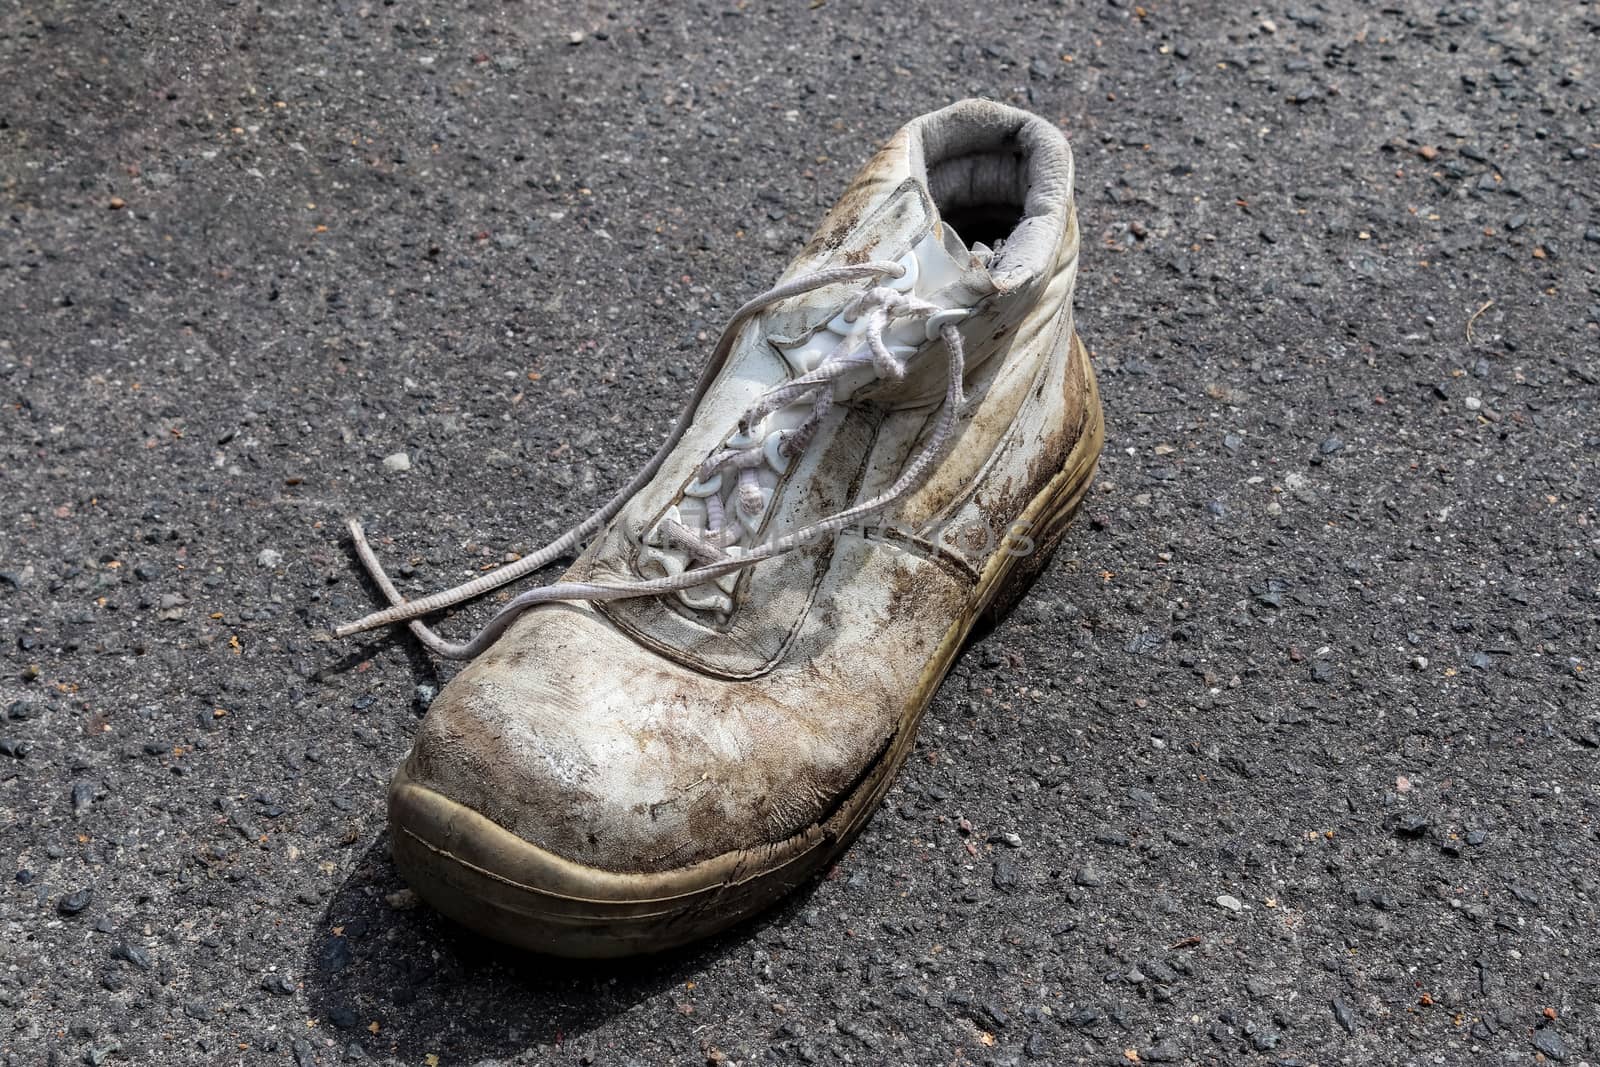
[1291,757]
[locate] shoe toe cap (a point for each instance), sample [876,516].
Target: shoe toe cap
[578,741]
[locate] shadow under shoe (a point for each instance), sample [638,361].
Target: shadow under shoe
[434,987]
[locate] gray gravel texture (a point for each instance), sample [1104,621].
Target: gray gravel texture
[1298,738]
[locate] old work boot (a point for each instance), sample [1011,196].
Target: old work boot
[708,706]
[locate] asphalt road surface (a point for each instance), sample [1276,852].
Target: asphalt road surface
[1291,757]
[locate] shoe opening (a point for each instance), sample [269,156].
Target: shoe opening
[1000,177]
[981,194]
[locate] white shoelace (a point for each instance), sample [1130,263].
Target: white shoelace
[880,305]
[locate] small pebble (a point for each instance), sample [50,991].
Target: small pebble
[132,954]
[101,1053]
[1550,1043]
[1005,876]
[74,902]
[278,984]
[1411,824]
[402,899]
[1265,1040]
[1232,903]
[397,462]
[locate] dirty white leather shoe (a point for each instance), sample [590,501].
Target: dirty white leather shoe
[710,703]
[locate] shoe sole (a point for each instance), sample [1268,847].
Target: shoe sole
[489,879]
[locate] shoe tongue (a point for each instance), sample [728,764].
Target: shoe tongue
[875,223]
[954,275]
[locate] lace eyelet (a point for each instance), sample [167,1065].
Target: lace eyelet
[936,322]
[708,487]
[773,452]
[846,327]
[907,281]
